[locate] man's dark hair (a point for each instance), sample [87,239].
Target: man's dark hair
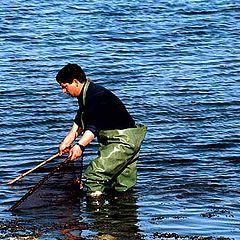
[70,72]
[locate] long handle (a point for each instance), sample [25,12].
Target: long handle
[34,168]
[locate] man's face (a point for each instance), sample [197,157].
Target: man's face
[71,89]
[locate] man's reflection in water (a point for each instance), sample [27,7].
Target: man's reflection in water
[56,210]
[115,217]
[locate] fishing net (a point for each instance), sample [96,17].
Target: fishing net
[60,185]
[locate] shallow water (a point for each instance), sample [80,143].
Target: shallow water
[175,64]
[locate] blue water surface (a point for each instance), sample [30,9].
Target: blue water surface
[175,64]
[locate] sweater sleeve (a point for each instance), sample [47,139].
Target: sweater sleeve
[77,118]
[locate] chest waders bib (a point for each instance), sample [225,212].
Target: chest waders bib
[115,166]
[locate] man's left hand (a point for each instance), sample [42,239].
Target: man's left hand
[74,153]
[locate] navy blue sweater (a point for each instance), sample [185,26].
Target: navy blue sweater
[102,111]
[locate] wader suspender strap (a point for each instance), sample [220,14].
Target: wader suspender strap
[85,88]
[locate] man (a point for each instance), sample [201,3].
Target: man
[101,114]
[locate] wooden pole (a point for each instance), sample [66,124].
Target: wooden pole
[34,168]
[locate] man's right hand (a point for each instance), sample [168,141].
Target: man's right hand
[62,149]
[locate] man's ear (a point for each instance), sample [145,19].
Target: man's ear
[76,82]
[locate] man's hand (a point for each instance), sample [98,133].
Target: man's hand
[62,149]
[65,145]
[74,152]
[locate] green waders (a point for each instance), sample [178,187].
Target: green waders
[115,167]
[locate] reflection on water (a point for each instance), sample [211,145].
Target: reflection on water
[117,217]
[114,217]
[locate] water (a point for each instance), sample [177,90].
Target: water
[175,64]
